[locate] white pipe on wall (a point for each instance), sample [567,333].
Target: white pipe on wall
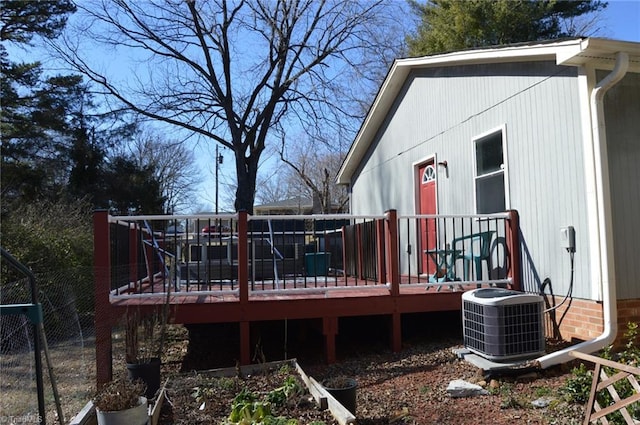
[605,226]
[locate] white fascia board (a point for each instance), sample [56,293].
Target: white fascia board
[599,53]
[513,53]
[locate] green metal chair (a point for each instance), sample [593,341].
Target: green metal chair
[469,253]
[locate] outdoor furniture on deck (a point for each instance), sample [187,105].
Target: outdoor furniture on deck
[477,250]
[445,261]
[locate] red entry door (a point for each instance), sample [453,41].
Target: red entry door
[427,202]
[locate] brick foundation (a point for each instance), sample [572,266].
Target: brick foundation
[584,319]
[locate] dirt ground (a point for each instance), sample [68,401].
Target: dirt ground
[402,388]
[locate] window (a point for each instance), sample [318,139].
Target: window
[490,173]
[429,174]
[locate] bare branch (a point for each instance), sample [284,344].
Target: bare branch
[238,73]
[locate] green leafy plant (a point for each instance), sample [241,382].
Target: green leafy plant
[280,395]
[577,389]
[247,409]
[542,391]
[631,353]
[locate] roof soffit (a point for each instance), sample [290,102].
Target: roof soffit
[600,54]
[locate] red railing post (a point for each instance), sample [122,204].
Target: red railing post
[102,285]
[243,257]
[393,275]
[393,269]
[380,260]
[243,285]
[513,238]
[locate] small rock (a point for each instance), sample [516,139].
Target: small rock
[542,402]
[482,383]
[494,384]
[459,388]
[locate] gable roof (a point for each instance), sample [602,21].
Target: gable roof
[598,52]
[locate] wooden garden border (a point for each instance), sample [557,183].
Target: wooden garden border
[322,397]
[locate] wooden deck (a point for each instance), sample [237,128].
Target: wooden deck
[304,303]
[244,301]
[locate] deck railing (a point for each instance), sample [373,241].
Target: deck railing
[214,253]
[203,253]
[236,258]
[440,249]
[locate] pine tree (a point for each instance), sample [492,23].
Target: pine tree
[450,25]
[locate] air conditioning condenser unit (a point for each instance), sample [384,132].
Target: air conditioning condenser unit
[501,324]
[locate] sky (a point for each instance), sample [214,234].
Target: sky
[620,21]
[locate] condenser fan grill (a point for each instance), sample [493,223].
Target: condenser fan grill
[500,324]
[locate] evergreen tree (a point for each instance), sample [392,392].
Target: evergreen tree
[450,25]
[22,20]
[34,108]
[131,189]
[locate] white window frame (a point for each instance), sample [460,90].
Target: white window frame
[504,169]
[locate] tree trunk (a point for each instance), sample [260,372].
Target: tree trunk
[247,171]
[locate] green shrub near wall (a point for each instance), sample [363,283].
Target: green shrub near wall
[577,389]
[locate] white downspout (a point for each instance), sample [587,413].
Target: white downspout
[605,226]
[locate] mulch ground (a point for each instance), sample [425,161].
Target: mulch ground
[408,387]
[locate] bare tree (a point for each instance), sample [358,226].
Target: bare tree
[239,72]
[315,169]
[273,187]
[174,165]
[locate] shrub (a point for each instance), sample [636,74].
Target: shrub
[577,389]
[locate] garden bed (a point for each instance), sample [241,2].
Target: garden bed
[404,388]
[282,388]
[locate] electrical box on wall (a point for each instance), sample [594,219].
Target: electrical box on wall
[568,238]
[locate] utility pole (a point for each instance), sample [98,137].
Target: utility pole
[218,162]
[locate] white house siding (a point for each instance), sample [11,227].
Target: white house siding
[622,116]
[439,112]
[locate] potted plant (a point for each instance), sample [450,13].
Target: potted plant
[144,343]
[145,337]
[120,402]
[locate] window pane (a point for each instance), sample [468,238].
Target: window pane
[490,194]
[489,154]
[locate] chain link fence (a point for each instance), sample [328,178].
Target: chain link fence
[67,306]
